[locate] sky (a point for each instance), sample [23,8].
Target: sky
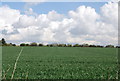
[60,22]
[60,7]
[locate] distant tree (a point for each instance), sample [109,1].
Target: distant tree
[0,42]
[99,46]
[40,45]
[80,45]
[61,45]
[64,45]
[54,45]
[3,41]
[27,45]
[9,44]
[109,46]
[85,45]
[76,45]
[117,46]
[69,45]
[48,45]
[92,45]
[33,44]
[23,44]
[13,44]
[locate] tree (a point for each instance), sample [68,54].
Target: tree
[100,46]
[0,42]
[48,45]
[33,44]
[117,46]
[13,44]
[110,46]
[9,44]
[76,45]
[27,45]
[53,45]
[23,44]
[85,45]
[92,45]
[64,45]
[61,45]
[3,41]
[69,45]
[40,44]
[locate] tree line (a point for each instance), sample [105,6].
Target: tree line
[3,43]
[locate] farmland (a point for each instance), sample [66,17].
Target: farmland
[60,63]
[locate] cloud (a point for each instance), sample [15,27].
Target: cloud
[30,3]
[24,21]
[83,25]
[30,12]
[85,18]
[8,15]
[110,13]
[54,16]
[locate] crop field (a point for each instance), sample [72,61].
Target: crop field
[59,63]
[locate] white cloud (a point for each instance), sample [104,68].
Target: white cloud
[8,15]
[24,21]
[85,18]
[110,13]
[84,14]
[83,25]
[31,3]
[30,12]
[54,16]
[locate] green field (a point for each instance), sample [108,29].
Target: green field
[60,63]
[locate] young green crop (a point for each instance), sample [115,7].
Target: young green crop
[60,63]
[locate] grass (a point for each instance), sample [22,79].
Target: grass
[60,63]
[0,62]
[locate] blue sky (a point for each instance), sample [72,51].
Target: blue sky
[60,7]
